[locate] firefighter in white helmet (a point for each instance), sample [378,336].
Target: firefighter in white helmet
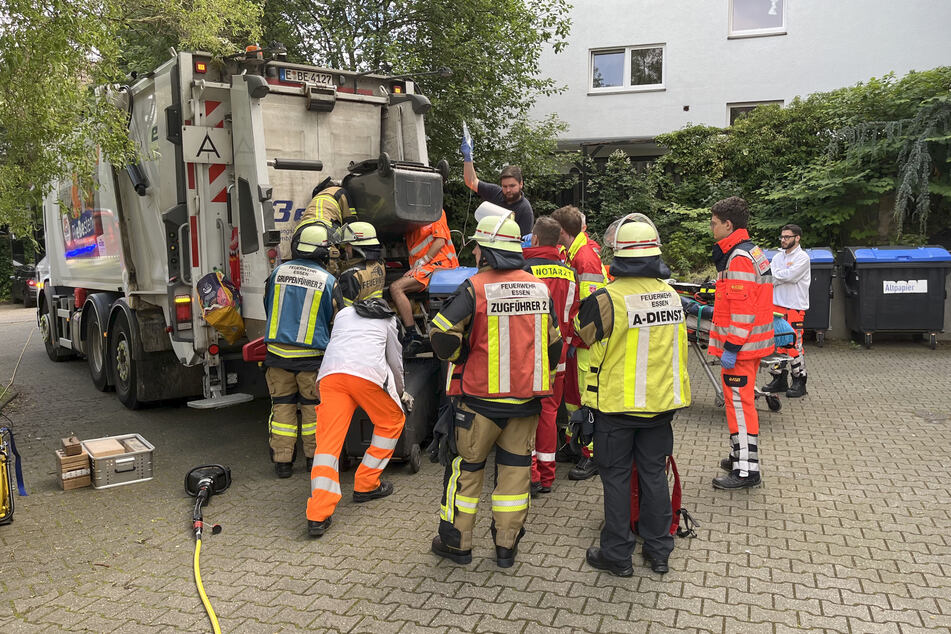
[500,333]
[637,380]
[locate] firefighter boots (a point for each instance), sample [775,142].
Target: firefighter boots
[284,469]
[505,557]
[453,554]
[798,387]
[316,529]
[381,491]
[779,383]
[583,470]
[733,481]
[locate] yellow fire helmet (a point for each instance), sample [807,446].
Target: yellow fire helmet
[359,234]
[311,237]
[500,233]
[635,236]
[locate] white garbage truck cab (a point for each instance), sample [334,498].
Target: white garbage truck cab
[228,152]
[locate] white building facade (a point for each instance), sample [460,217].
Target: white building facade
[634,69]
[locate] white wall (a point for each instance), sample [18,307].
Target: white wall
[829,44]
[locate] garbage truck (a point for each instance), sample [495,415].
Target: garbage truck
[228,153]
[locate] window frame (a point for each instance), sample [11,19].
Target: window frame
[746,104]
[626,70]
[736,35]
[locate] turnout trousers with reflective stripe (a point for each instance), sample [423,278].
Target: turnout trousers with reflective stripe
[546,436]
[290,390]
[340,396]
[797,361]
[741,415]
[617,448]
[475,437]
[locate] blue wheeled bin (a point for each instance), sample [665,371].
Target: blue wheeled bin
[894,289]
[819,315]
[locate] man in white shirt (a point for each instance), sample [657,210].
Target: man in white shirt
[792,274]
[362,367]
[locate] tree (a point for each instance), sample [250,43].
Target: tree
[52,56]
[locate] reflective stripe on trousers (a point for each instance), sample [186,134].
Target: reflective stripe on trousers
[741,415]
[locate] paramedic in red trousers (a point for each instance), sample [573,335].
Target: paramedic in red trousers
[792,274]
[362,367]
[637,335]
[741,335]
[584,256]
[500,334]
[300,300]
[543,261]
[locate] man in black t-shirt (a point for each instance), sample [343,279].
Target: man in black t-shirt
[508,195]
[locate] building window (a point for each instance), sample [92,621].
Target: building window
[753,18]
[737,110]
[628,68]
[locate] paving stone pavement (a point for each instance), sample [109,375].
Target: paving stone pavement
[849,532]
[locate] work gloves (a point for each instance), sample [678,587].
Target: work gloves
[728,360]
[443,448]
[580,428]
[408,401]
[466,149]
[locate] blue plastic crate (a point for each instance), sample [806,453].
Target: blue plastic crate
[446,281]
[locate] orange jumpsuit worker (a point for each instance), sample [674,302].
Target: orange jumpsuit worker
[742,334]
[430,248]
[362,367]
[583,256]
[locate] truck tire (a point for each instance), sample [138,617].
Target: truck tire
[96,353]
[123,367]
[54,351]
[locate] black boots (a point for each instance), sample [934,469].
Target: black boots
[316,529]
[583,470]
[798,387]
[778,384]
[381,491]
[284,469]
[450,553]
[733,481]
[596,559]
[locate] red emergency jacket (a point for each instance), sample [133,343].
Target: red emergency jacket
[508,340]
[743,304]
[584,256]
[562,281]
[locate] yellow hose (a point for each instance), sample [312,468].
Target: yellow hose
[201,591]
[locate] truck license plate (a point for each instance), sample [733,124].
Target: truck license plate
[296,76]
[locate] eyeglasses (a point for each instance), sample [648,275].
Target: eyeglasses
[786,237]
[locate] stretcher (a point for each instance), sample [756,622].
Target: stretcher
[698,334]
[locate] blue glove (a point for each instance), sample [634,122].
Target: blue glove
[466,150]
[728,360]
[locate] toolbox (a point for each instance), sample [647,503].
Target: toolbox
[110,469]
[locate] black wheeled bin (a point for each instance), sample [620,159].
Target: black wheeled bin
[894,289]
[822,265]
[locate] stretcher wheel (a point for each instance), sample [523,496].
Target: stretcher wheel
[933,341]
[415,458]
[773,403]
[868,340]
[820,338]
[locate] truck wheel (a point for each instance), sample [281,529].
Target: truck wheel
[47,328]
[415,458]
[123,367]
[96,353]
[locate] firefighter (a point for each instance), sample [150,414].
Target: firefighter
[329,204]
[741,335]
[543,261]
[500,333]
[430,247]
[637,381]
[301,298]
[362,367]
[792,274]
[584,256]
[364,274]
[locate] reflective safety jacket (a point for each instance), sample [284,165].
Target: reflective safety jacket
[363,281]
[585,258]
[743,304]
[637,354]
[419,241]
[562,282]
[509,338]
[326,206]
[300,307]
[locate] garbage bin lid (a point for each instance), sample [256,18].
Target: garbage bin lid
[817,255]
[446,281]
[886,255]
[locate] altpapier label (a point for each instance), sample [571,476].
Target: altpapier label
[892,287]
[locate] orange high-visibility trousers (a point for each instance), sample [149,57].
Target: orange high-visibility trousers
[741,415]
[796,319]
[340,395]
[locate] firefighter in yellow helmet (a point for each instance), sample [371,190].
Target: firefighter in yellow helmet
[300,300]
[637,380]
[500,333]
[363,273]
[329,204]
